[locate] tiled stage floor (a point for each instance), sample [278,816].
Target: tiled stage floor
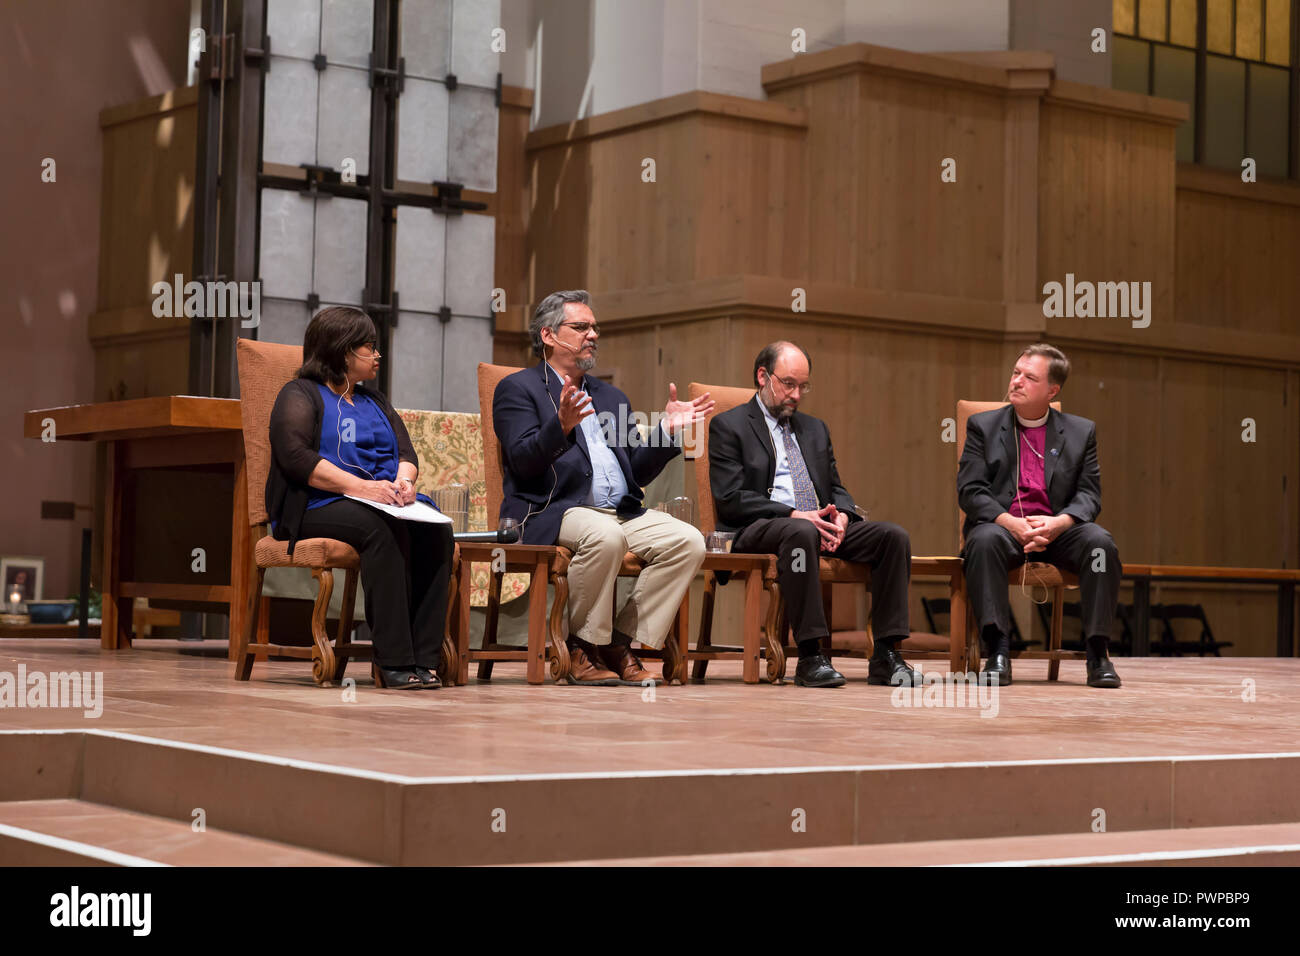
[705,771]
[184,692]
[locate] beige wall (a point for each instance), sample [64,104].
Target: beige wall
[61,62]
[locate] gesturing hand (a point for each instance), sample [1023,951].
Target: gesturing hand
[680,414]
[575,405]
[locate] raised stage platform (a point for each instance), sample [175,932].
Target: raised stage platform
[1193,760]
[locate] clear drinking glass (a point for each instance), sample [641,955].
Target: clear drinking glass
[681,508]
[453,501]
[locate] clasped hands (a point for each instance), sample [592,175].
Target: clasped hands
[1035,532]
[575,405]
[830,522]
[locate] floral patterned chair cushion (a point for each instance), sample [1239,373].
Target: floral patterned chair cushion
[450,447]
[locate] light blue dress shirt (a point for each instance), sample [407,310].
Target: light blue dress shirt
[608,486]
[782,484]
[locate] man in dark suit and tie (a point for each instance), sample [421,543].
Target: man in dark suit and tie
[575,462]
[774,481]
[1029,484]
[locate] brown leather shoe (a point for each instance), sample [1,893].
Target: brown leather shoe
[620,659]
[583,666]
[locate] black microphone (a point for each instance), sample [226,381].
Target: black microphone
[509,536]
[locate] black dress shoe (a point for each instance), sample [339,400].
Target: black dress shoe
[428,679]
[998,669]
[400,678]
[1101,673]
[888,667]
[816,671]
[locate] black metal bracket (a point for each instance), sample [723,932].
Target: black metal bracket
[313,301]
[452,82]
[393,80]
[444,314]
[261,57]
[382,308]
[319,176]
[220,58]
[319,62]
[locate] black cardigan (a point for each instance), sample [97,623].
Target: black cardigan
[295,451]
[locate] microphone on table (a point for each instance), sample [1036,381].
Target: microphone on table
[509,536]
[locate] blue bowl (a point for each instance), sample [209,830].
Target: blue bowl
[51,612]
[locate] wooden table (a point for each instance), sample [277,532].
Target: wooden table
[166,432]
[950,568]
[1143,574]
[68,629]
[535,560]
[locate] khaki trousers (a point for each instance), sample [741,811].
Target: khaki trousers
[672,550]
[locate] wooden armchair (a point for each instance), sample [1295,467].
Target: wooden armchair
[264,368]
[542,562]
[758,570]
[847,643]
[1036,573]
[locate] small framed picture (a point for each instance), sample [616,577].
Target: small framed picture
[24,576]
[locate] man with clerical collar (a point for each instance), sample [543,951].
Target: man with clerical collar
[774,481]
[1030,486]
[575,462]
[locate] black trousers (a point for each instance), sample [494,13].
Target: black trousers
[884,546]
[405,569]
[1084,549]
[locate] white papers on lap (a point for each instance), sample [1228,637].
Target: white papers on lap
[418,511]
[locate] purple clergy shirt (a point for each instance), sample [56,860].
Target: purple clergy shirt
[1032,499]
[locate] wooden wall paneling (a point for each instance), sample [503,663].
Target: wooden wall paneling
[1256,473]
[753,213]
[1122,394]
[514,187]
[146,235]
[832,189]
[146,224]
[915,232]
[1234,489]
[1106,205]
[1020,199]
[1191,439]
[1236,259]
[558,219]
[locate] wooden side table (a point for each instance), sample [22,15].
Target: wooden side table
[165,432]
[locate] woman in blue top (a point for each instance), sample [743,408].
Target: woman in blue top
[331,437]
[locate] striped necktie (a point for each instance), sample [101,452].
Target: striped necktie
[805,496]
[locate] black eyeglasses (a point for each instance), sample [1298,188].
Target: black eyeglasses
[790,385]
[582,328]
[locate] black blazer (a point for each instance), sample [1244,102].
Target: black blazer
[527,425]
[295,450]
[742,466]
[986,474]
